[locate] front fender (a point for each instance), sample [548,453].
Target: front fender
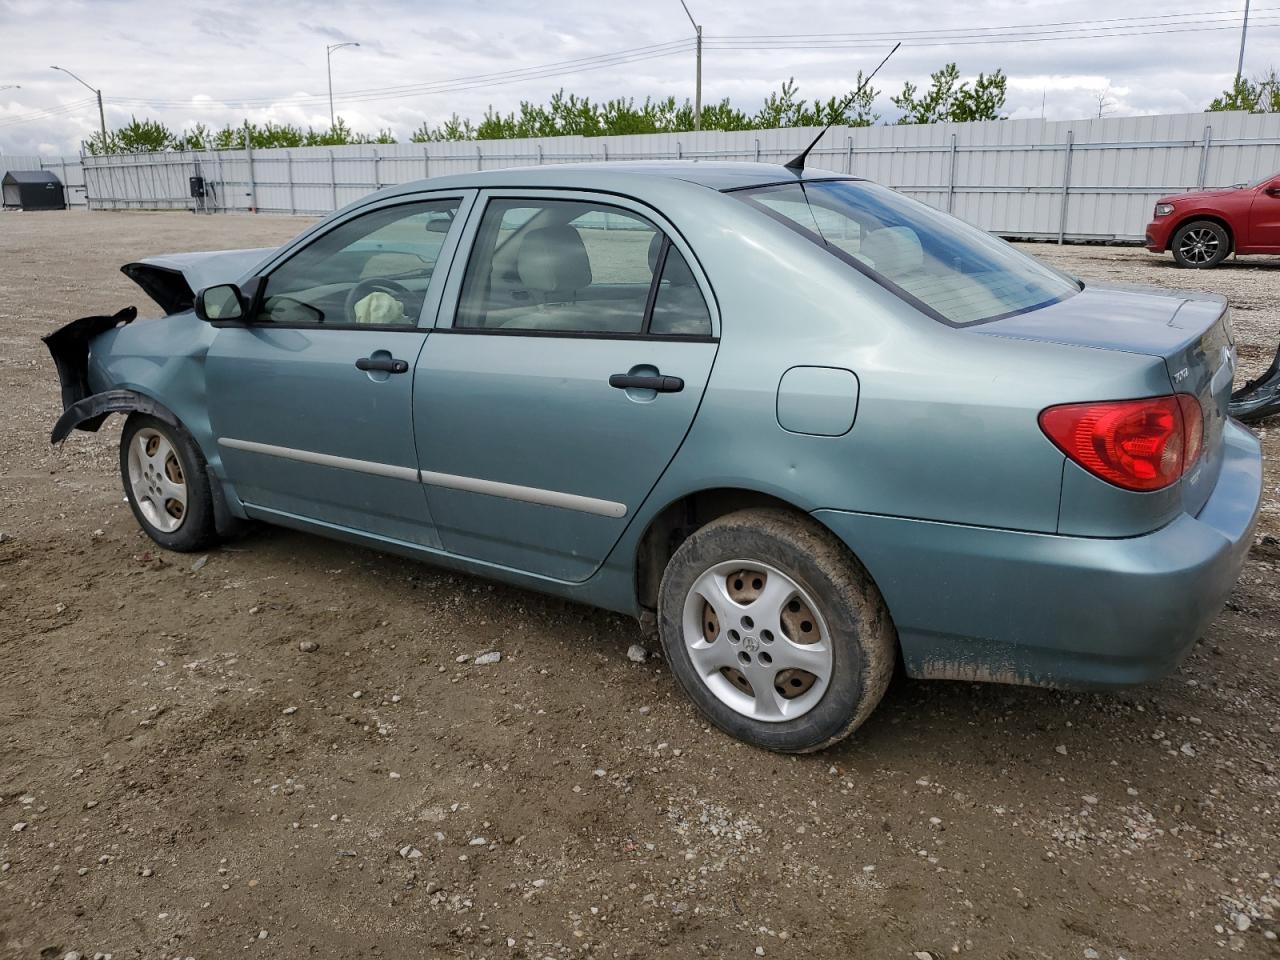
[88,413]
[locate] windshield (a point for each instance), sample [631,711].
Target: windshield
[1261,180]
[952,271]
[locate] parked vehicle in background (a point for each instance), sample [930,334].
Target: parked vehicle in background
[804,425]
[1203,228]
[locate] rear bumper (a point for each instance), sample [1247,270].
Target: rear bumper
[982,604]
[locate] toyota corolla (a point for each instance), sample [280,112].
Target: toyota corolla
[807,428]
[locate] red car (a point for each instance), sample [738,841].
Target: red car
[1203,228]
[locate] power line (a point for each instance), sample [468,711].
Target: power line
[807,43]
[558,68]
[47,113]
[1090,23]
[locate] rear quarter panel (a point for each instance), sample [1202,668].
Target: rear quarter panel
[946,426]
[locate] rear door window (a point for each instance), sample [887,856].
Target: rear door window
[576,267]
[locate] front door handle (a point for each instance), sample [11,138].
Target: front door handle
[626,381]
[385,364]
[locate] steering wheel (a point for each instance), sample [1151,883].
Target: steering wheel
[374,285]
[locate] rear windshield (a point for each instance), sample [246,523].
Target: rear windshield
[952,271]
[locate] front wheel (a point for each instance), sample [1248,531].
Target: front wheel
[167,484]
[775,631]
[1200,244]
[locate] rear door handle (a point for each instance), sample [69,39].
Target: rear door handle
[625,381]
[385,364]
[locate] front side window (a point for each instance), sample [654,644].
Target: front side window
[954,272]
[370,271]
[567,266]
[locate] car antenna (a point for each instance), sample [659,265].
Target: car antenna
[797,163]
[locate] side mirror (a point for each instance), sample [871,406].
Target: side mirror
[1272,190]
[220,303]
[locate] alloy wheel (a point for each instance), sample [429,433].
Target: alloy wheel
[157,480]
[757,640]
[1199,245]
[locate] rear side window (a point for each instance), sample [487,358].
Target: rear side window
[678,306]
[573,267]
[950,270]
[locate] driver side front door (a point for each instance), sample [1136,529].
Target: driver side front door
[311,400]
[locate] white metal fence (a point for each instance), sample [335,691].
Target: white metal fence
[1076,180]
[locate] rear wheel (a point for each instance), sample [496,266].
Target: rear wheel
[774,630]
[167,484]
[1200,244]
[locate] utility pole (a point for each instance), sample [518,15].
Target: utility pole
[328,55]
[1244,29]
[697,90]
[102,117]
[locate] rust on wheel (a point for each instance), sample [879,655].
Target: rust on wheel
[757,641]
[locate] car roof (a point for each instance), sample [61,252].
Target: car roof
[716,175]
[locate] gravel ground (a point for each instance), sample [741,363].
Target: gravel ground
[289,748]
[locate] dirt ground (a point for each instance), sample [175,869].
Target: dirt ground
[179,779]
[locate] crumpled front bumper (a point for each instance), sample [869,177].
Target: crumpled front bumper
[982,604]
[69,347]
[1259,398]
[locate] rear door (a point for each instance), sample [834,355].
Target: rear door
[571,354]
[311,401]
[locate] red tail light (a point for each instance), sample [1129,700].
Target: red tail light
[1134,444]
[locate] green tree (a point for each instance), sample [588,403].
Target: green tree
[455,128]
[142,136]
[785,109]
[567,114]
[950,99]
[199,137]
[1260,95]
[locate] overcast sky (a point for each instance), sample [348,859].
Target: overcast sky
[206,60]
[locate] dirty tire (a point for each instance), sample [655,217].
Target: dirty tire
[863,642]
[196,529]
[1200,244]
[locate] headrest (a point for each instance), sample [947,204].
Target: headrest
[554,259]
[893,251]
[655,247]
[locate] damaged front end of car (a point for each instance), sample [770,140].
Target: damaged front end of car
[1260,397]
[171,281]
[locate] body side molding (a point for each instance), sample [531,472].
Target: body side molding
[492,488]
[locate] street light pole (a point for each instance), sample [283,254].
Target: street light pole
[328,53]
[102,117]
[1244,29]
[697,90]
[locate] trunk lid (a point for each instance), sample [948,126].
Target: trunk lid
[173,280]
[1189,332]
